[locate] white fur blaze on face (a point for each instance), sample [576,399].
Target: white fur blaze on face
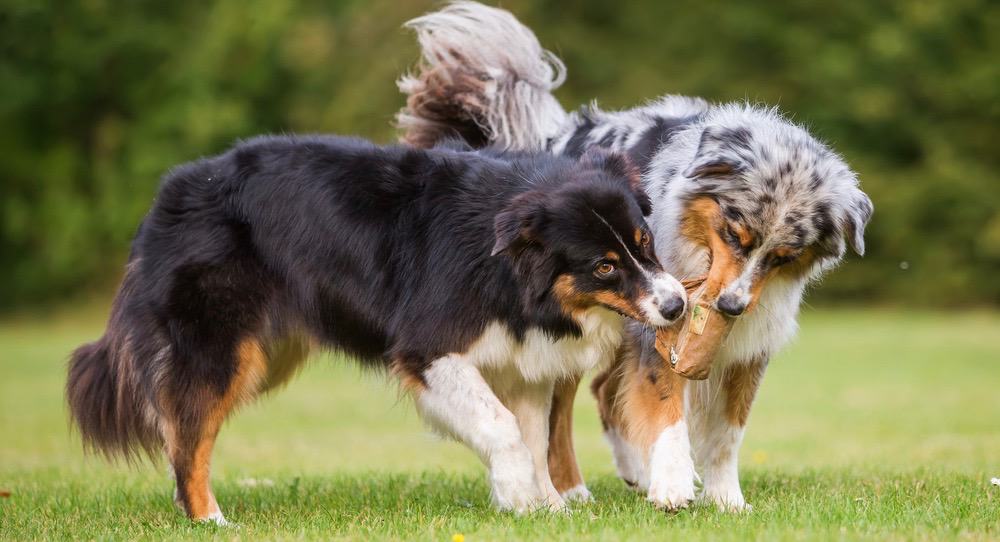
[459,403]
[628,460]
[671,469]
[667,292]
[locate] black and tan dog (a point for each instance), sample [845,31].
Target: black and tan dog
[478,278]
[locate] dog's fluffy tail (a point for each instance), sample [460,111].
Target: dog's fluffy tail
[484,77]
[105,399]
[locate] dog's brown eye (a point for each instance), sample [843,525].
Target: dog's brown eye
[604,269]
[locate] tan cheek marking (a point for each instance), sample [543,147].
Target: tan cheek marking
[740,383]
[726,266]
[700,224]
[565,292]
[612,299]
[573,300]
[638,236]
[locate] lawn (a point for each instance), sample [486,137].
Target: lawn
[874,425]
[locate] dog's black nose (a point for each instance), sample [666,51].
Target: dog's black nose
[731,305]
[672,308]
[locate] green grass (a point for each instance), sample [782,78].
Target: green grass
[874,424]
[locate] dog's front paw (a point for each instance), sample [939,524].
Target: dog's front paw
[671,470]
[578,493]
[216,518]
[730,501]
[673,491]
[517,498]
[556,504]
[514,489]
[671,485]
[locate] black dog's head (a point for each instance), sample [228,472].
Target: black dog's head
[582,240]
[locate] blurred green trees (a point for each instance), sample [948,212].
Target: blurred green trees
[100,98]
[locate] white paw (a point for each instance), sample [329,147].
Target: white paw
[671,469]
[673,490]
[517,498]
[216,518]
[578,493]
[730,501]
[514,488]
[555,503]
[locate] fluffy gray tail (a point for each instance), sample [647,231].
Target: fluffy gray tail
[105,398]
[483,77]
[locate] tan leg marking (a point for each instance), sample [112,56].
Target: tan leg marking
[190,448]
[740,383]
[640,400]
[563,467]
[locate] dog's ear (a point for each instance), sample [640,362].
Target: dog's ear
[519,223]
[619,165]
[718,152]
[858,214]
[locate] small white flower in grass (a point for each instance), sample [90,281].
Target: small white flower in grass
[995,481]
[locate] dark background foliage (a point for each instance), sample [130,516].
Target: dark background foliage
[99,98]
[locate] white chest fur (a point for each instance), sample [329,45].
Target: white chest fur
[541,358]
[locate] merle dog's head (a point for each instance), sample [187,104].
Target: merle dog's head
[770,202]
[583,242]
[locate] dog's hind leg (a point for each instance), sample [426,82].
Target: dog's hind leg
[192,411]
[455,399]
[563,467]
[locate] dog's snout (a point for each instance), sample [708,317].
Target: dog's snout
[673,307]
[665,302]
[731,304]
